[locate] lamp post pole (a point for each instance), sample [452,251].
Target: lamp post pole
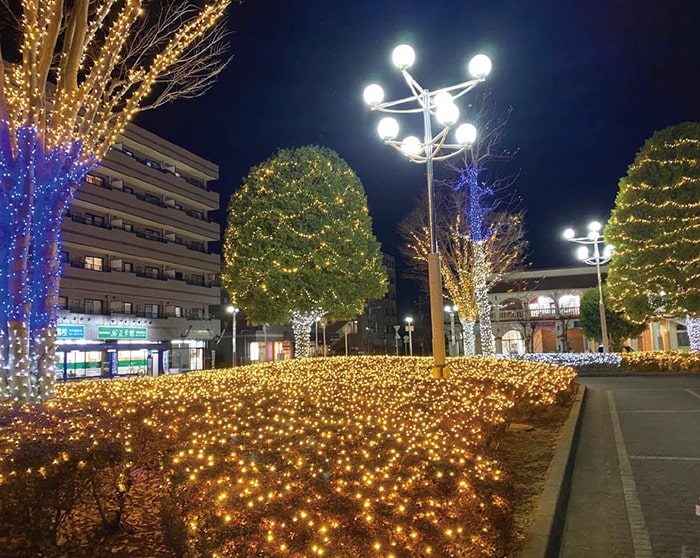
[438,103]
[409,329]
[594,239]
[233,310]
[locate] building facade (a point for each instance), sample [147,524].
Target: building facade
[138,275]
[538,311]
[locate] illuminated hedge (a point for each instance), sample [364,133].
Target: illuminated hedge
[359,456]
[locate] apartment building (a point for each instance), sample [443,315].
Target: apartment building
[138,274]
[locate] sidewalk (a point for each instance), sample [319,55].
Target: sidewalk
[596,524]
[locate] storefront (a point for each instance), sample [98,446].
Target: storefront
[107,352]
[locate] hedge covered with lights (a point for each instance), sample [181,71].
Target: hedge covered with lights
[643,361]
[357,457]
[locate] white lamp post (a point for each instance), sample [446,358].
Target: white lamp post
[441,105]
[409,329]
[233,310]
[597,259]
[453,340]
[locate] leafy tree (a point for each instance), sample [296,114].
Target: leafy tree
[299,242]
[73,75]
[655,228]
[619,328]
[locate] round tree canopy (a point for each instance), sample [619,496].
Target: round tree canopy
[655,228]
[299,237]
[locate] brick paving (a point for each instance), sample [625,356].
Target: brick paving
[636,479]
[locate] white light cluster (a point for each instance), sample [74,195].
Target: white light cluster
[693,325]
[572,359]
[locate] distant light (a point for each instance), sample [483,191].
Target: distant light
[373,94]
[447,114]
[403,56]
[408,319]
[411,146]
[582,253]
[608,250]
[465,134]
[594,226]
[569,234]
[388,128]
[232,309]
[480,66]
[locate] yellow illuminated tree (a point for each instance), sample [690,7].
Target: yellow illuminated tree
[299,242]
[74,73]
[655,229]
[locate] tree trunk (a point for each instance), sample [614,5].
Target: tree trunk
[468,337]
[482,300]
[693,325]
[37,187]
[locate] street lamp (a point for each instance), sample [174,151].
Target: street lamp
[233,310]
[453,340]
[409,329]
[441,104]
[594,239]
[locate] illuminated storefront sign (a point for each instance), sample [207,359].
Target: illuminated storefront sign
[70,331]
[106,332]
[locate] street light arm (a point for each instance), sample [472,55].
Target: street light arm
[417,97]
[415,87]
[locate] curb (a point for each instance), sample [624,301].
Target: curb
[544,536]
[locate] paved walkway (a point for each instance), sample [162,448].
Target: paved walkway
[636,478]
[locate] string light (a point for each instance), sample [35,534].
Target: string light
[56,123]
[357,456]
[656,231]
[299,238]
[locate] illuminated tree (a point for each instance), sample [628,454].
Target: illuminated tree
[80,71]
[655,229]
[299,242]
[480,234]
[619,328]
[502,252]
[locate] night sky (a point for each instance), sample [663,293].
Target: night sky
[587,85]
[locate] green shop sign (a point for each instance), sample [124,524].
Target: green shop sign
[106,332]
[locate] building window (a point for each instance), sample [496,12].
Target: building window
[62,303]
[128,189]
[682,337]
[93,306]
[151,310]
[91,219]
[96,180]
[127,307]
[128,227]
[177,312]
[128,267]
[94,263]
[151,272]
[65,256]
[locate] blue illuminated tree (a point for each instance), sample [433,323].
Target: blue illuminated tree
[479,229]
[82,70]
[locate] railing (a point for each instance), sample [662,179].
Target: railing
[526,314]
[151,275]
[164,169]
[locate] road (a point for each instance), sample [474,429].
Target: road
[636,478]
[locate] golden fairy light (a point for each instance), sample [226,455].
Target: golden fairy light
[359,456]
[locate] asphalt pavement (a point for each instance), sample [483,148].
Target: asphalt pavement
[635,488]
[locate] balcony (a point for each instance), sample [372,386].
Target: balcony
[534,314]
